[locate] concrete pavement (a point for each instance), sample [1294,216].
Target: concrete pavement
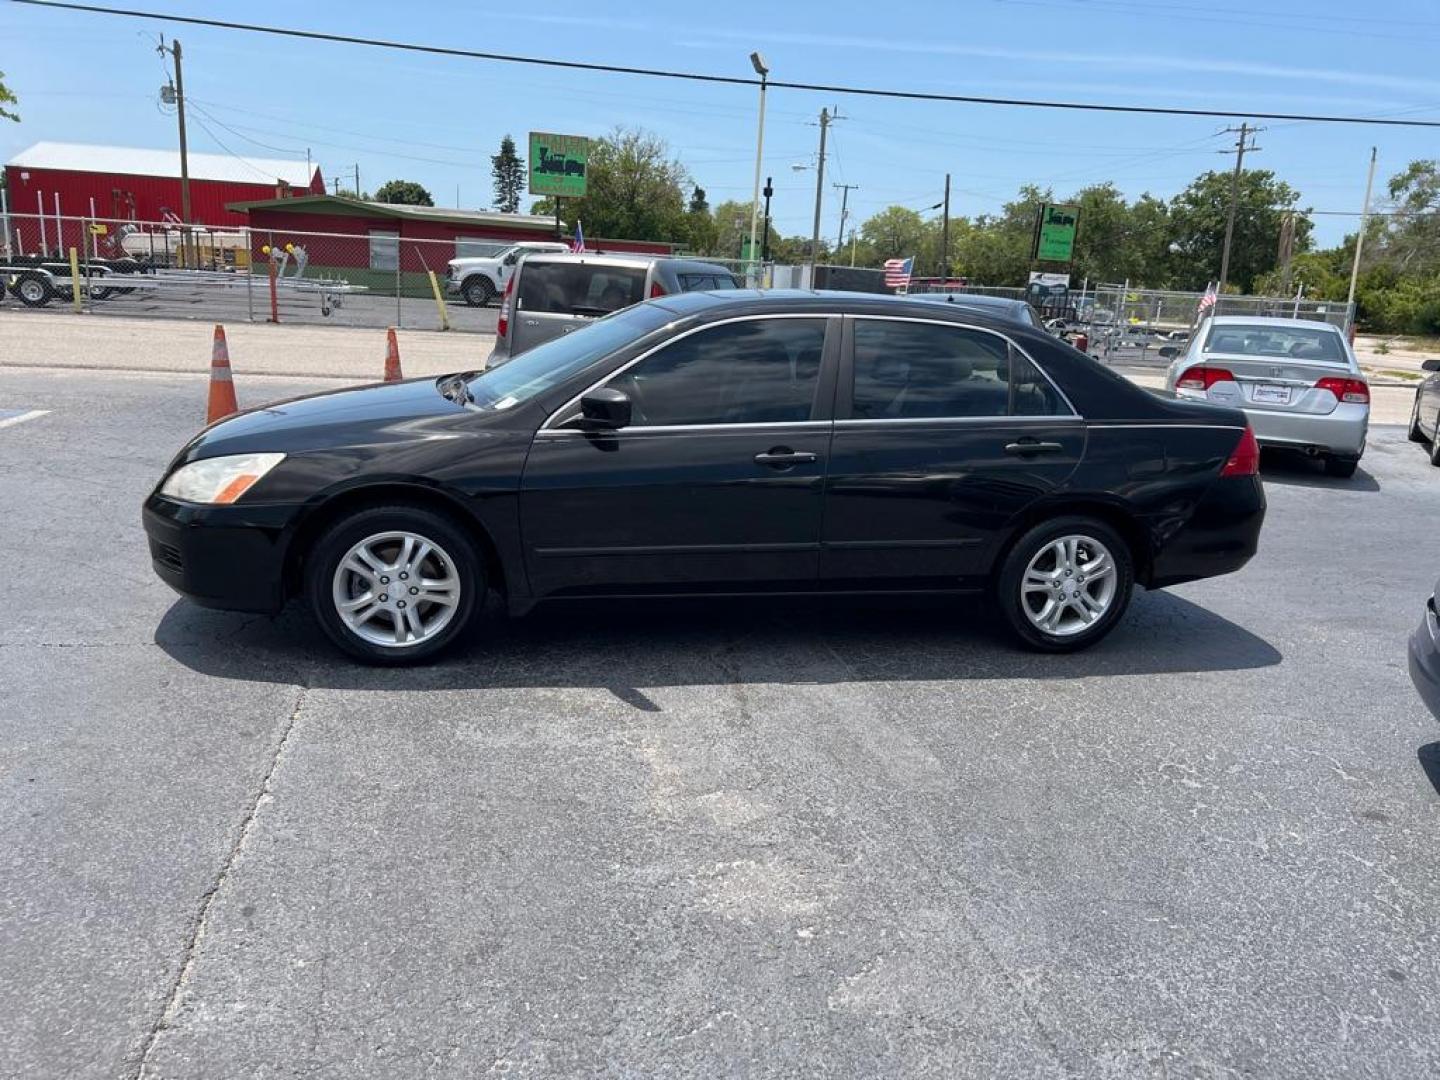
[774,840]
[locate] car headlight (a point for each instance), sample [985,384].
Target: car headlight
[218,480]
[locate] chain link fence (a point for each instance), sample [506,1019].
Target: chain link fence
[167,270]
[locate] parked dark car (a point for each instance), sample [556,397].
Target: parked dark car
[1425,657]
[718,443]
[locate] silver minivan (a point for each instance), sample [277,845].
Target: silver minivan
[550,295]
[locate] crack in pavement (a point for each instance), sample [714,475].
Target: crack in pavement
[200,926]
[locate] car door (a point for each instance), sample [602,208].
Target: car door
[944,433]
[716,485]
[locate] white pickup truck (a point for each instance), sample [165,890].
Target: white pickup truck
[481,280]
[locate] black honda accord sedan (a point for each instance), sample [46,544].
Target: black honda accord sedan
[717,444]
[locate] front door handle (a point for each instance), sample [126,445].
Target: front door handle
[782,457]
[1026,447]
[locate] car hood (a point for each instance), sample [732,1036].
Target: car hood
[365,415]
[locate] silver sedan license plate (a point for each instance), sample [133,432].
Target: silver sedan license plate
[1270,394]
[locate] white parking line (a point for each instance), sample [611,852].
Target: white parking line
[10,421]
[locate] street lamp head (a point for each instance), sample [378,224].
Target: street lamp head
[758,63]
[800,166]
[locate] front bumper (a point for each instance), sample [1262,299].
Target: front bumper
[1425,659]
[452,286]
[1220,536]
[230,557]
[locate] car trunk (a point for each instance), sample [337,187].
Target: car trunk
[1280,384]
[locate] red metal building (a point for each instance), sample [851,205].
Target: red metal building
[342,232]
[127,184]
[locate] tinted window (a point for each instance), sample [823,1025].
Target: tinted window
[551,363]
[1299,342]
[705,282]
[907,369]
[759,371]
[579,289]
[919,370]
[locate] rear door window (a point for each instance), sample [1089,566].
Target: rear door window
[915,370]
[579,289]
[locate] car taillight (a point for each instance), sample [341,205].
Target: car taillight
[1245,459]
[1352,391]
[504,322]
[1202,378]
[656,289]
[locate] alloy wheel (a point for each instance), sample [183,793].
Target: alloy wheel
[1068,585]
[396,589]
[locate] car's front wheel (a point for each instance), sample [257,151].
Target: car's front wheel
[478,291]
[1416,432]
[1065,584]
[394,584]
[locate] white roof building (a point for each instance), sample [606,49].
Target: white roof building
[125,160]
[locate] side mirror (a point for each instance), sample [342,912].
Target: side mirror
[511,259]
[1169,352]
[604,409]
[1433,364]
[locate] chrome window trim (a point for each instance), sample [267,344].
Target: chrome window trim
[822,316]
[1163,424]
[797,425]
[1074,412]
[859,421]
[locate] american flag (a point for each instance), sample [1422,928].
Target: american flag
[1207,302]
[897,272]
[578,244]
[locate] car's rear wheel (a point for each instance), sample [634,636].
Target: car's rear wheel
[1435,443]
[394,584]
[1065,584]
[478,292]
[1416,432]
[1342,467]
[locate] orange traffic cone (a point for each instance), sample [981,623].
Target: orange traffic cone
[392,357]
[222,387]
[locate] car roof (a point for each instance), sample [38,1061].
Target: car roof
[972,299]
[1271,320]
[825,301]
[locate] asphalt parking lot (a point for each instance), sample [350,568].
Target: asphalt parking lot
[769,840]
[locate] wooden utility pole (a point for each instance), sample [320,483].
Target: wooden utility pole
[845,190]
[819,195]
[1245,132]
[175,51]
[945,236]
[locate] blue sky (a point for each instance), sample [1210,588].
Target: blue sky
[91,78]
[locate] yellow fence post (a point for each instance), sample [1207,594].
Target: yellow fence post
[75,279]
[439,301]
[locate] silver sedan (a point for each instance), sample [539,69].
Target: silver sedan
[1298,382]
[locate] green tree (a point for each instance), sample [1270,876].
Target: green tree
[895,233]
[994,249]
[7,97]
[698,203]
[509,175]
[404,193]
[1197,227]
[635,190]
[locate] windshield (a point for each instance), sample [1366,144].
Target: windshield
[1291,342]
[550,364]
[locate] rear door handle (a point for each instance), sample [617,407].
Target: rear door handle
[782,457]
[1026,447]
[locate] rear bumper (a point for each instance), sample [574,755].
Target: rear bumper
[1339,432]
[1220,537]
[230,557]
[1425,659]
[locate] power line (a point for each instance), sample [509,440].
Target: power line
[724,80]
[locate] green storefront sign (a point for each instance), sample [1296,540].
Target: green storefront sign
[1055,233]
[558,164]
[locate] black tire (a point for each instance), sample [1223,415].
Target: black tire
[1416,432]
[449,536]
[1341,467]
[478,291]
[1013,602]
[32,290]
[1435,443]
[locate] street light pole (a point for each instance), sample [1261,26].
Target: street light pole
[758,63]
[765,241]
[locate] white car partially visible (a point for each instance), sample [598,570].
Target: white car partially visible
[1297,380]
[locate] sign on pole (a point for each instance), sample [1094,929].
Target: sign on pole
[558,164]
[1055,233]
